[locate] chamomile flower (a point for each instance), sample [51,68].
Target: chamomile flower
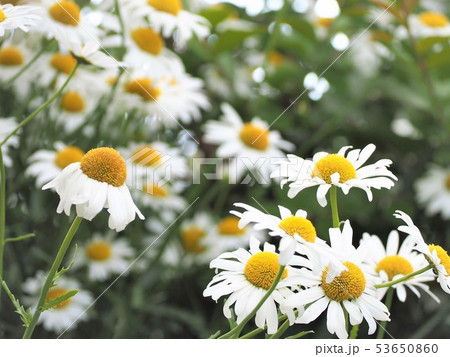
[146,48]
[246,276]
[168,99]
[97,182]
[162,199]
[63,19]
[166,16]
[65,315]
[352,290]
[394,262]
[429,24]
[251,145]
[7,125]
[45,165]
[13,57]
[297,233]
[435,254]
[18,17]
[151,163]
[342,170]
[104,257]
[229,236]
[433,191]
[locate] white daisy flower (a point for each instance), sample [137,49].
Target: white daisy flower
[394,262]
[352,290]
[45,165]
[97,182]
[7,125]
[429,24]
[161,199]
[246,276]
[252,146]
[433,191]
[146,49]
[154,163]
[13,56]
[166,16]
[297,233]
[168,99]
[63,19]
[65,315]
[18,17]
[435,254]
[104,257]
[341,170]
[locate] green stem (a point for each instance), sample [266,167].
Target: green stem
[2,213]
[42,107]
[122,26]
[28,65]
[20,238]
[388,303]
[406,277]
[271,43]
[237,330]
[354,332]
[280,331]
[251,334]
[51,275]
[334,206]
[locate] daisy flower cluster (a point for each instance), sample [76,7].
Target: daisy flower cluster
[307,276]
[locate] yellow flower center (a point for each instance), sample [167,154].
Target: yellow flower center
[262,268]
[275,58]
[442,255]
[148,40]
[394,265]
[302,226]
[254,137]
[99,251]
[230,226]
[349,284]
[447,182]
[105,165]
[155,190]
[331,164]
[192,237]
[433,19]
[68,156]
[324,22]
[63,63]
[54,293]
[11,56]
[147,156]
[143,88]
[72,101]
[66,12]
[2,16]
[170,6]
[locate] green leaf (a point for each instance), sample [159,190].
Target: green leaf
[426,44]
[58,300]
[19,238]
[300,334]
[216,15]
[64,270]
[230,39]
[25,315]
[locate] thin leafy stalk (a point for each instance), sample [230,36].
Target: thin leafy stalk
[2,212]
[334,206]
[388,303]
[403,278]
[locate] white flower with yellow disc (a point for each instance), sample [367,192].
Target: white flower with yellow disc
[104,257]
[18,17]
[246,276]
[344,170]
[251,146]
[166,16]
[433,191]
[429,24]
[97,182]
[394,262]
[435,254]
[352,290]
[64,19]
[13,57]
[45,165]
[65,315]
